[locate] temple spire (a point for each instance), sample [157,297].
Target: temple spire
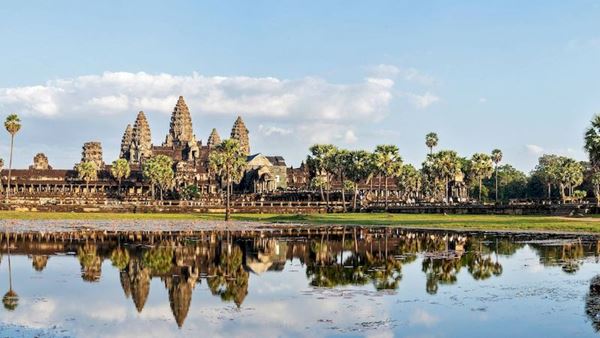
[214,139]
[141,145]
[126,142]
[239,132]
[180,129]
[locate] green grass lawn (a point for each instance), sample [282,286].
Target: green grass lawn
[472,222]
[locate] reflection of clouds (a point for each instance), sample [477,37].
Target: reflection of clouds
[33,314]
[422,317]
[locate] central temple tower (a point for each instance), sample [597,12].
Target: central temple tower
[180,130]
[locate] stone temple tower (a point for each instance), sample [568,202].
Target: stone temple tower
[240,132]
[126,142]
[180,130]
[141,140]
[214,139]
[92,152]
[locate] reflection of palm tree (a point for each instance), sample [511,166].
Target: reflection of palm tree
[91,262]
[230,280]
[10,299]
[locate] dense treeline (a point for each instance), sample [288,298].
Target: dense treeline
[484,176]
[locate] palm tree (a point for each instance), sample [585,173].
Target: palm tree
[10,299]
[596,185]
[87,171]
[159,170]
[446,165]
[431,141]
[357,170]
[481,167]
[496,158]
[1,167]
[341,160]
[228,161]
[592,141]
[12,125]
[320,163]
[120,169]
[388,162]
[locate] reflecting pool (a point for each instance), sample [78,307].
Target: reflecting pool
[298,281]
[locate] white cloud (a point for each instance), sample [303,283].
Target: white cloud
[422,101]
[273,130]
[534,149]
[422,317]
[350,137]
[482,100]
[408,74]
[118,92]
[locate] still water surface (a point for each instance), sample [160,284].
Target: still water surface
[300,281]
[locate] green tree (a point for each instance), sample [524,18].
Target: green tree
[228,161]
[596,186]
[481,167]
[512,183]
[388,162]
[547,171]
[120,170]
[321,164]
[358,168]
[569,174]
[12,125]
[592,141]
[87,171]
[159,171]
[496,158]
[340,163]
[431,141]
[446,165]
[409,181]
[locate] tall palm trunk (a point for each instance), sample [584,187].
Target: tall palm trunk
[386,192]
[355,196]
[343,193]
[12,139]
[496,184]
[227,203]
[549,189]
[379,188]
[322,194]
[480,190]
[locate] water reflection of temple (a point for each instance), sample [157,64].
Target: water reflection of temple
[333,256]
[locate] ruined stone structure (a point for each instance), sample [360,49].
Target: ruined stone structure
[92,152]
[40,162]
[180,131]
[240,133]
[137,147]
[214,139]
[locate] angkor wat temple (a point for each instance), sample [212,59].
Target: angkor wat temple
[264,174]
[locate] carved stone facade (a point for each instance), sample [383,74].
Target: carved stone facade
[214,139]
[181,132]
[40,162]
[92,152]
[136,145]
[240,133]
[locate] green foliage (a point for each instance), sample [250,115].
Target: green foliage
[119,258]
[228,161]
[87,171]
[190,192]
[159,171]
[592,141]
[12,124]
[158,259]
[120,169]
[512,184]
[431,141]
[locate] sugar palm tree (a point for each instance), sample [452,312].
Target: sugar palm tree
[159,170]
[446,165]
[12,125]
[388,162]
[87,171]
[481,167]
[320,163]
[120,170]
[10,299]
[228,161]
[496,158]
[592,141]
[341,160]
[431,141]
[357,170]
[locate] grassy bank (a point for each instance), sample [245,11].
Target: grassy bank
[472,222]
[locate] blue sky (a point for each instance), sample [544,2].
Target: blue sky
[520,76]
